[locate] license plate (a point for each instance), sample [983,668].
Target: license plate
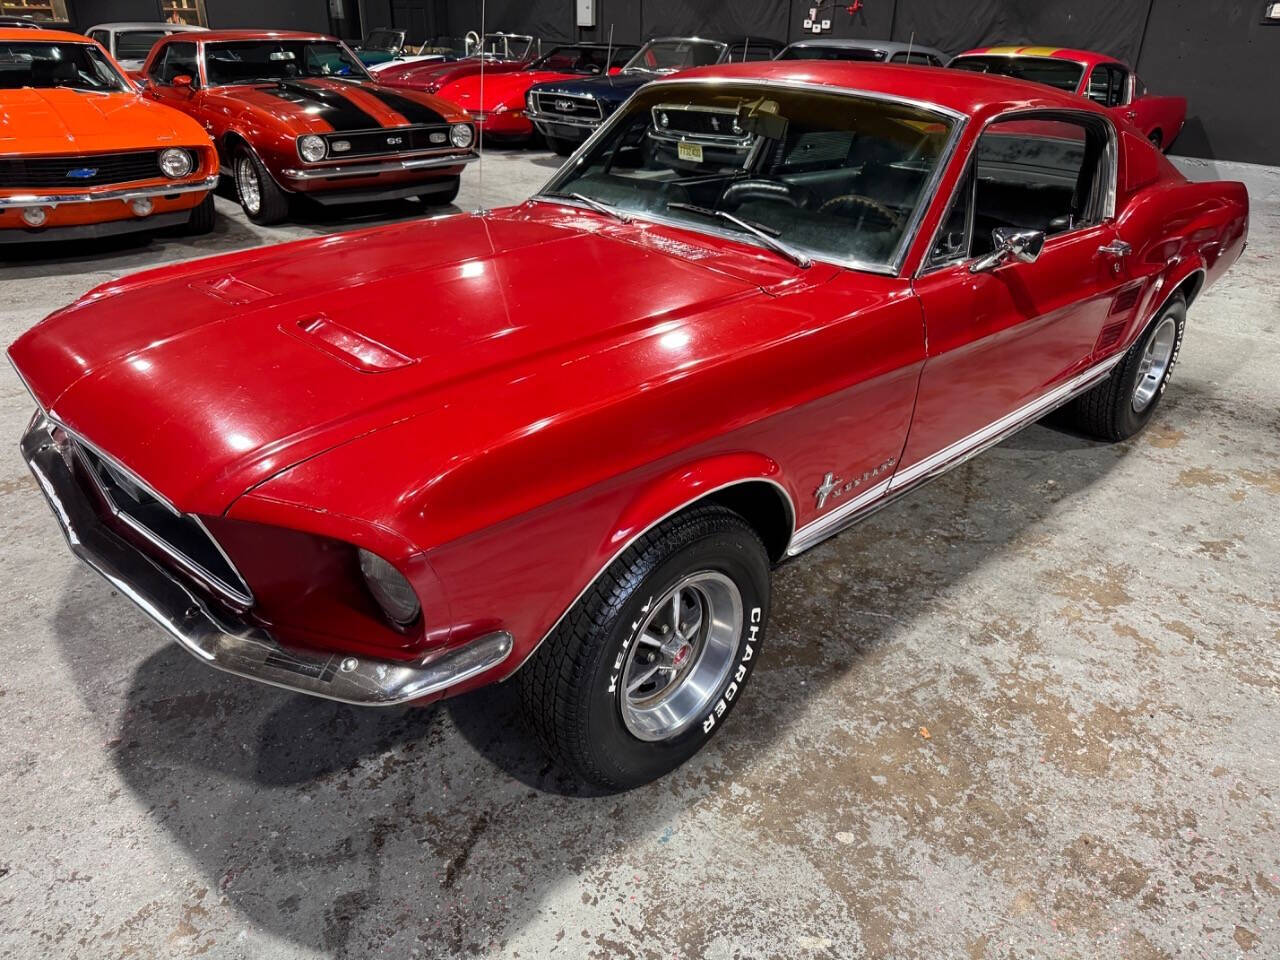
[689,151]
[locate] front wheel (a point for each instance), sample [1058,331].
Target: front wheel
[560,146]
[261,199]
[647,665]
[201,220]
[1122,404]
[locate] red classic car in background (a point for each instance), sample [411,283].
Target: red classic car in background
[83,155]
[297,114]
[813,285]
[1104,80]
[498,107]
[502,53]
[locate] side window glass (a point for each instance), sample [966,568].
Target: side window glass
[1038,175]
[953,236]
[899,58]
[1100,85]
[157,66]
[180,61]
[100,36]
[1119,87]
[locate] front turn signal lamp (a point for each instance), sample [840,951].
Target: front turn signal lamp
[390,589]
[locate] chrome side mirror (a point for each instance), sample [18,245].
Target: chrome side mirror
[1011,242]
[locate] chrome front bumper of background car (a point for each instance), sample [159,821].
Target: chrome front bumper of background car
[223,640]
[375,167]
[123,194]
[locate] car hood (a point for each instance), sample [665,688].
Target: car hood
[611,89]
[66,121]
[318,105]
[209,377]
[421,75]
[508,88]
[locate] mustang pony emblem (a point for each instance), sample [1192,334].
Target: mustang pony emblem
[833,488]
[564,106]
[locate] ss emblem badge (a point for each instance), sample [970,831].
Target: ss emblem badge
[394,141]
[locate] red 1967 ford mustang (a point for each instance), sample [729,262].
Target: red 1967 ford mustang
[798,291]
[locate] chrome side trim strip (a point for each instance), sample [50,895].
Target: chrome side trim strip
[224,641]
[393,165]
[124,194]
[786,497]
[951,456]
[818,530]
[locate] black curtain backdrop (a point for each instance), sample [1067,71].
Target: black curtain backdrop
[1216,53]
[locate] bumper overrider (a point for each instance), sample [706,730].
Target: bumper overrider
[223,639]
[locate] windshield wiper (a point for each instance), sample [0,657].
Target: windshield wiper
[608,209]
[766,235]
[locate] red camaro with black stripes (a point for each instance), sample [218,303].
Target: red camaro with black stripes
[297,114]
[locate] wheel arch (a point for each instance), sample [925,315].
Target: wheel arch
[231,141]
[749,484]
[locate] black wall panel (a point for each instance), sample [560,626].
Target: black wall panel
[1219,55]
[1214,52]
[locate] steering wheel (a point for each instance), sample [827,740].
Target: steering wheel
[889,218]
[743,190]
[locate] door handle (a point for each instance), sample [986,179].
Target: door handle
[1116,248]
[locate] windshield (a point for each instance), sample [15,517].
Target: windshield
[838,177]
[136,44]
[384,41]
[504,46]
[256,61]
[579,59]
[668,56]
[77,66]
[815,52]
[1063,74]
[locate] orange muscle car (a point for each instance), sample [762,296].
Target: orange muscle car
[82,154]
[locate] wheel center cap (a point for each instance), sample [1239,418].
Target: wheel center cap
[682,654]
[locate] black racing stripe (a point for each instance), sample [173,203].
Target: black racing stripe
[329,105]
[408,108]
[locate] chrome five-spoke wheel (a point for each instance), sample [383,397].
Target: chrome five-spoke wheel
[685,648]
[1156,357]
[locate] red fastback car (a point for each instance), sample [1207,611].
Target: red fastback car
[1104,80]
[296,114]
[497,102]
[798,291]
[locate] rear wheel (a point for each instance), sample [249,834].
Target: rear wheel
[561,147]
[1122,404]
[647,665]
[261,199]
[1157,139]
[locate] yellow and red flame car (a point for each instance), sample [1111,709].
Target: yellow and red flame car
[82,154]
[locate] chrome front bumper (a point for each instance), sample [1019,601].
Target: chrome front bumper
[123,194]
[557,119]
[220,639]
[390,165]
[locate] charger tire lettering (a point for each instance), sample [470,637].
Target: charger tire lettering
[731,691]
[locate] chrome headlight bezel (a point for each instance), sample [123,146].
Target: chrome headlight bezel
[176,163]
[390,589]
[462,135]
[312,148]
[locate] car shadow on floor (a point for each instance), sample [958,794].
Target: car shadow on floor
[450,817]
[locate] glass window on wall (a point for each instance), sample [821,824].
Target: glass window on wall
[184,11]
[35,9]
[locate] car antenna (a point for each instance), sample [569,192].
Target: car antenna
[480,209]
[608,53]
[910,43]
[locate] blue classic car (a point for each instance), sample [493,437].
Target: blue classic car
[567,111]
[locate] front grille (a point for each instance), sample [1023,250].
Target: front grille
[567,105]
[179,536]
[367,143]
[703,125]
[81,171]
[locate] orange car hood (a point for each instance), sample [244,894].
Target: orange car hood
[67,121]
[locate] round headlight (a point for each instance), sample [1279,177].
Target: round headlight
[389,587]
[311,148]
[460,135]
[175,163]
